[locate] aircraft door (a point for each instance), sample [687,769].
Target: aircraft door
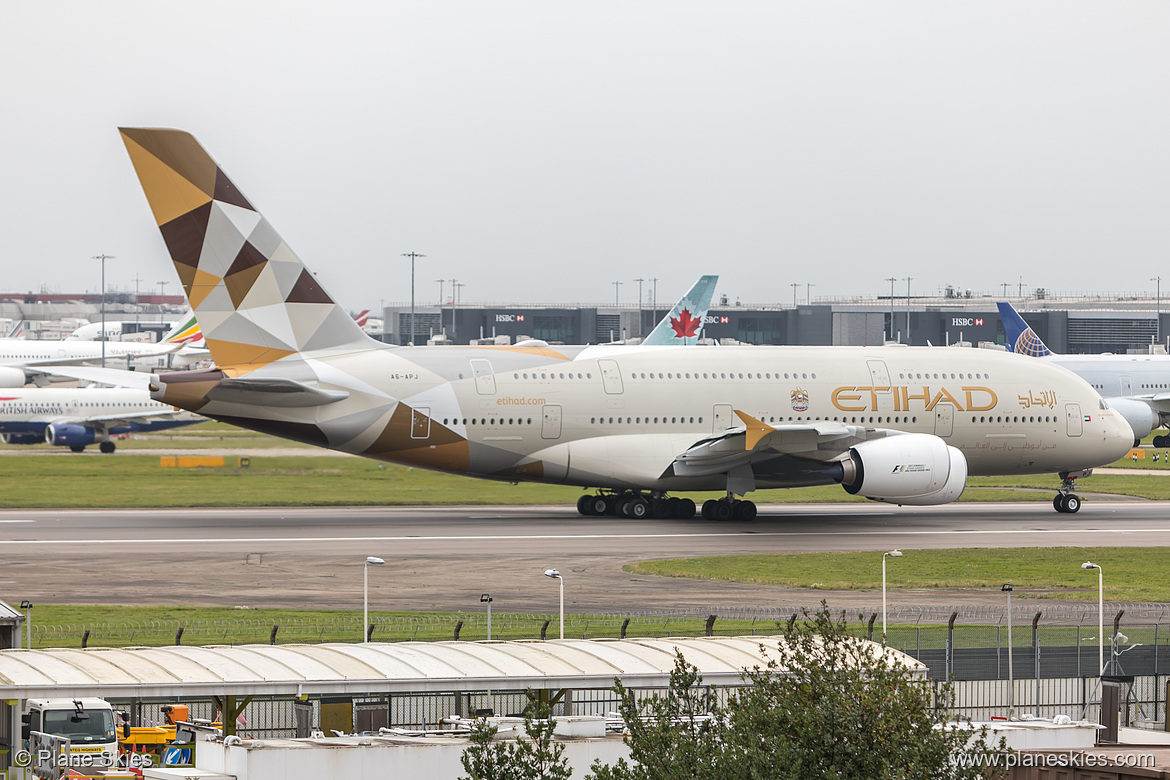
[1126,385]
[721,418]
[611,376]
[1073,419]
[550,426]
[878,374]
[944,419]
[485,379]
[420,423]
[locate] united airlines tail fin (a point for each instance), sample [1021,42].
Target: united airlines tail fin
[684,323]
[254,299]
[1021,339]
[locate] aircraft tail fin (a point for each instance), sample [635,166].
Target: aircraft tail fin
[254,299]
[186,331]
[17,331]
[1021,339]
[362,317]
[684,323]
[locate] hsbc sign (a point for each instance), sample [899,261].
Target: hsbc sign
[966,322]
[509,318]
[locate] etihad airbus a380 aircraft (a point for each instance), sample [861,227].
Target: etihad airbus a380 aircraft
[899,424]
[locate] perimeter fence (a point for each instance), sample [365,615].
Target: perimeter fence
[964,643]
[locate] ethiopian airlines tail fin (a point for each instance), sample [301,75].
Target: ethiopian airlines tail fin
[1021,339]
[254,299]
[186,331]
[684,323]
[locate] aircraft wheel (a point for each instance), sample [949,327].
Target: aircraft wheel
[686,508]
[744,510]
[77,448]
[1072,504]
[613,506]
[724,511]
[709,509]
[660,508]
[598,506]
[106,447]
[674,507]
[1162,441]
[1058,502]
[638,509]
[583,506]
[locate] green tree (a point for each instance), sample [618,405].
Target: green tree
[825,706]
[533,756]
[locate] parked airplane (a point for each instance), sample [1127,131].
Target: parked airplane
[1136,386]
[899,424]
[76,416]
[17,355]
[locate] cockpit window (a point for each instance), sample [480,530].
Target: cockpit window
[1103,404]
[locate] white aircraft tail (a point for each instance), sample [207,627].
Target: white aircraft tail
[684,323]
[254,299]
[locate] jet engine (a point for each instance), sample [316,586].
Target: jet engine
[1139,414]
[914,469]
[22,438]
[11,376]
[69,435]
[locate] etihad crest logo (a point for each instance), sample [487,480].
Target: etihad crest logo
[799,400]
[685,325]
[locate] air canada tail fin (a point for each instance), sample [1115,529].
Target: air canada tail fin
[1021,339]
[254,299]
[684,323]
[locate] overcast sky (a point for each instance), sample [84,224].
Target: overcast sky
[539,151]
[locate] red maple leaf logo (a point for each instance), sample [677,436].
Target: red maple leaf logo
[685,326]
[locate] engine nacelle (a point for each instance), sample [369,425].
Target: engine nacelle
[11,376]
[914,469]
[69,435]
[22,438]
[1139,414]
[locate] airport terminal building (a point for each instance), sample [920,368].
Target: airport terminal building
[1073,325]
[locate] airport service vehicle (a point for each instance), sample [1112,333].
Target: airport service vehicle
[89,725]
[898,424]
[1136,386]
[74,417]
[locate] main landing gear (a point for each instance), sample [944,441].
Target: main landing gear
[1161,441]
[729,508]
[1067,501]
[637,506]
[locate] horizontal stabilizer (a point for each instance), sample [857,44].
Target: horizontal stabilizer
[272,392]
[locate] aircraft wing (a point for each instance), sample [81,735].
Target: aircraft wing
[753,443]
[116,377]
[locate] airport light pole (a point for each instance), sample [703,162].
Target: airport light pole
[486,598]
[617,291]
[1007,588]
[556,575]
[654,295]
[808,292]
[440,281]
[413,256]
[908,278]
[103,258]
[639,280]
[891,280]
[371,560]
[1100,614]
[1158,311]
[27,606]
[890,554]
[794,286]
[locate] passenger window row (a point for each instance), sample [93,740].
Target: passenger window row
[720,375]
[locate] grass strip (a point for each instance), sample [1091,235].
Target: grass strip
[1131,573]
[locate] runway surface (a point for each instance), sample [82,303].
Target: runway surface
[444,557]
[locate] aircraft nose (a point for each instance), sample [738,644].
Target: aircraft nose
[1118,435]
